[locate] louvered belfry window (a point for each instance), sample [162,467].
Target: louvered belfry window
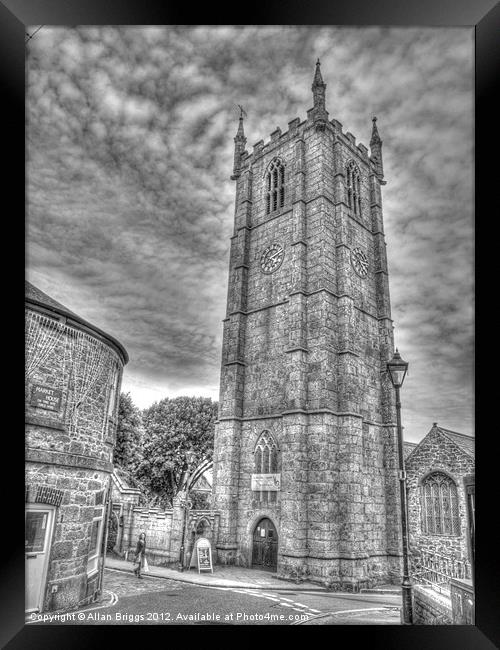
[353,186]
[439,500]
[266,461]
[275,186]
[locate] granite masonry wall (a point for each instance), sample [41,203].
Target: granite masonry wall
[304,354]
[163,530]
[437,453]
[69,446]
[431,607]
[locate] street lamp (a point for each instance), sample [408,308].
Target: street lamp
[190,458]
[397,369]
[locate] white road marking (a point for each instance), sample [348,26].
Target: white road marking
[112,601]
[363,609]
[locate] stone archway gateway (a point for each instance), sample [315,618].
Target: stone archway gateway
[265,545]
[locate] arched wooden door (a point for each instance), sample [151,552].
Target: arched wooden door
[265,545]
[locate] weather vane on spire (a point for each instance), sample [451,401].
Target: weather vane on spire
[243,112]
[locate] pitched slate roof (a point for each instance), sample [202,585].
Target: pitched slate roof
[467,443]
[204,483]
[34,294]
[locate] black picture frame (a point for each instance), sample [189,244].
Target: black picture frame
[14,16]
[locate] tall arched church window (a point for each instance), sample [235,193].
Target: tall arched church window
[353,186]
[266,461]
[275,186]
[439,500]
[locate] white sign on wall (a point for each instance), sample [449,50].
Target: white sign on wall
[268,482]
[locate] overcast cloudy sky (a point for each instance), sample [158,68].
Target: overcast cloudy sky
[130,206]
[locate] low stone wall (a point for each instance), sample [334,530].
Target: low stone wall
[431,607]
[462,601]
[157,526]
[163,530]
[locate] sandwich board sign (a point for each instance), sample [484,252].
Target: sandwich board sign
[202,555]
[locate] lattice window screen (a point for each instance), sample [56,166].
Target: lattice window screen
[88,368]
[42,335]
[95,366]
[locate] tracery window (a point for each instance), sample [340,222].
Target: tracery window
[266,461]
[439,499]
[275,186]
[353,185]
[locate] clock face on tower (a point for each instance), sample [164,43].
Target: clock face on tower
[359,262]
[271,258]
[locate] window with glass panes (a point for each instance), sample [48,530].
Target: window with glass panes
[266,461]
[439,500]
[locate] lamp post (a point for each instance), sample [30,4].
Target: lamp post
[190,458]
[397,369]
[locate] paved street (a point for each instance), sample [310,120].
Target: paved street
[163,601]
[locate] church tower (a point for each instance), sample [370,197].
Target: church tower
[305,461]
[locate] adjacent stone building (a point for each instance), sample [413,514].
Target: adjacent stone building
[305,463]
[73,377]
[441,514]
[438,469]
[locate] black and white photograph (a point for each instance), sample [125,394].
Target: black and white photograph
[249,325]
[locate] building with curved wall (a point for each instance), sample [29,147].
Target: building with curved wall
[73,375]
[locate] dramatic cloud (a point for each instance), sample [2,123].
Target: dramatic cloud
[130,145]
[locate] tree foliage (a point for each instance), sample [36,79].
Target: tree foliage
[172,427]
[129,436]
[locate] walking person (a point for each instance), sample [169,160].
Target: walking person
[140,554]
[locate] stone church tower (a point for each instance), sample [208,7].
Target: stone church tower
[305,464]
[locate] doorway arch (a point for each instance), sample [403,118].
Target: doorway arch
[265,545]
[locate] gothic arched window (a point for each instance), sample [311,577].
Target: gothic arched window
[266,461]
[353,186]
[439,500]
[275,186]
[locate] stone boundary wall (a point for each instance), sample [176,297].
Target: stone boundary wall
[157,525]
[431,607]
[163,530]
